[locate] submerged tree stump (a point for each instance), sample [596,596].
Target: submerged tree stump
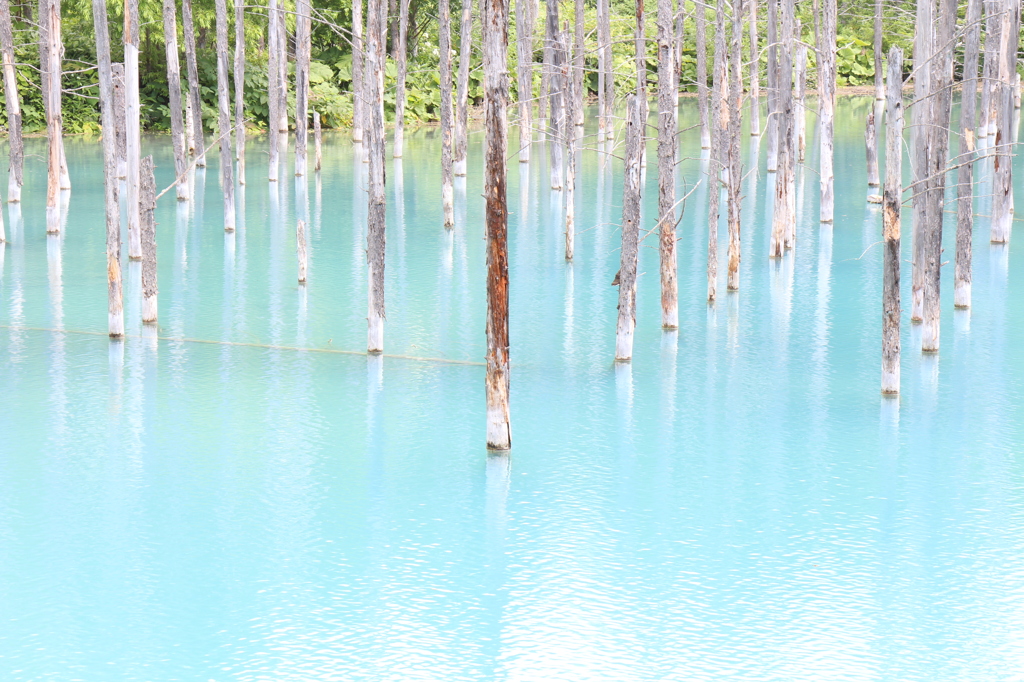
[628,256]
[147,229]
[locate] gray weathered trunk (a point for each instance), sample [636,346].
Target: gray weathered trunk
[891,224]
[735,175]
[755,75]
[773,86]
[524,52]
[317,155]
[300,249]
[273,102]
[239,78]
[402,58]
[444,40]
[991,67]
[718,156]
[826,110]
[667,127]
[628,255]
[702,74]
[195,102]
[462,89]
[302,58]
[871,151]
[227,177]
[133,126]
[919,147]
[112,212]
[556,96]
[495,42]
[120,124]
[1002,105]
[147,229]
[605,81]
[357,66]
[879,87]
[783,220]
[965,173]
[174,96]
[376,26]
[13,102]
[800,100]
[578,85]
[54,127]
[571,141]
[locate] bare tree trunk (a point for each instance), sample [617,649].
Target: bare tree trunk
[773,86]
[630,230]
[891,224]
[826,109]
[733,132]
[524,52]
[1002,103]
[192,71]
[991,68]
[462,89]
[937,149]
[174,95]
[879,87]
[376,26]
[133,126]
[547,54]
[495,41]
[965,173]
[578,85]
[45,52]
[120,122]
[556,94]
[755,76]
[357,67]
[227,177]
[667,129]
[300,249]
[317,156]
[919,147]
[13,102]
[274,57]
[718,157]
[606,81]
[782,218]
[112,212]
[54,125]
[282,76]
[870,138]
[799,105]
[572,105]
[147,228]
[402,52]
[444,40]
[240,90]
[702,74]
[302,58]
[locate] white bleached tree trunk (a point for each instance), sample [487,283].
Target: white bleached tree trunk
[877,39]
[783,220]
[702,74]
[227,177]
[273,101]
[303,48]
[147,229]
[447,165]
[174,97]
[120,122]
[871,151]
[54,127]
[735,174]
[239,78]
[556,95]
[462,90]
[12,100]
[376,26]
[571,142]
[920,121]
[826,110]
[962,277]
[1002,106]
[358,55]
[800,99]
[402,60]
[192,72]
[524,52]
[317,152]
[628,255]
[755,75]
[605,81]
[893,196]
[774,88]
[718,157]
[667,127]
[300,249]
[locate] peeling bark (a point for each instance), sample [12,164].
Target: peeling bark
[893,195]
[667,128]
[147,229]
[965,173]
[174,96]
[630,231]
[227,178]
[376,36]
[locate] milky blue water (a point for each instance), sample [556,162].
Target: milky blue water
[739,503]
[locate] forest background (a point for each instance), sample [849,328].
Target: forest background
[331,68]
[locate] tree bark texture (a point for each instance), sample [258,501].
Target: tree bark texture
[826,110]
[524,52]
[495,41]
[358,55]
[870,139]
[12,100]
[893,196]
[556,96]
[965,173]
[174,96]
[303,48]
[462,89]
[1002,104]
[376,27]
[783,220]
[444,41]
[120,122]
[920,120]
[112,211]
[273,101]
[735,175]
[300,249]
[755,75]
[605,79]
[667,127]
[239,78]
[192,73]
[54,127]
[631,188]
[718,156]
[702,74]
[402,59]
[147,224]
[227,177]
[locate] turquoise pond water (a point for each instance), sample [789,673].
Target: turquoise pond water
[738,504]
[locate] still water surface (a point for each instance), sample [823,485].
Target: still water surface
[738,504]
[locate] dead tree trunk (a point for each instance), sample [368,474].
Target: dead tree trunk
[357,67]
[54,125]
[133,126]
[965,173]
[302,58]
[239,79]
[826,109]
[227,177]
[495,41]
[547,55]
[13,102]
[120,124]
[112,212]
[640,51]
[195,100]
[556,94]
[578,85]
[572,104]
[444,40]
[1002,102]
[879,87]
[870,139]
[891,224]
[174,95]
[630,230]
[667,127]
[773,86]
[147,225]
[524,52]
[317,156]
[783,220]
[376,27]
[702,74]
[755,76]
[401,52]
[800,98]
[991,67]
[735,175]
[605,80]
[462,89]
[919,147]
[718,157]
[273,101]
[300,249]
